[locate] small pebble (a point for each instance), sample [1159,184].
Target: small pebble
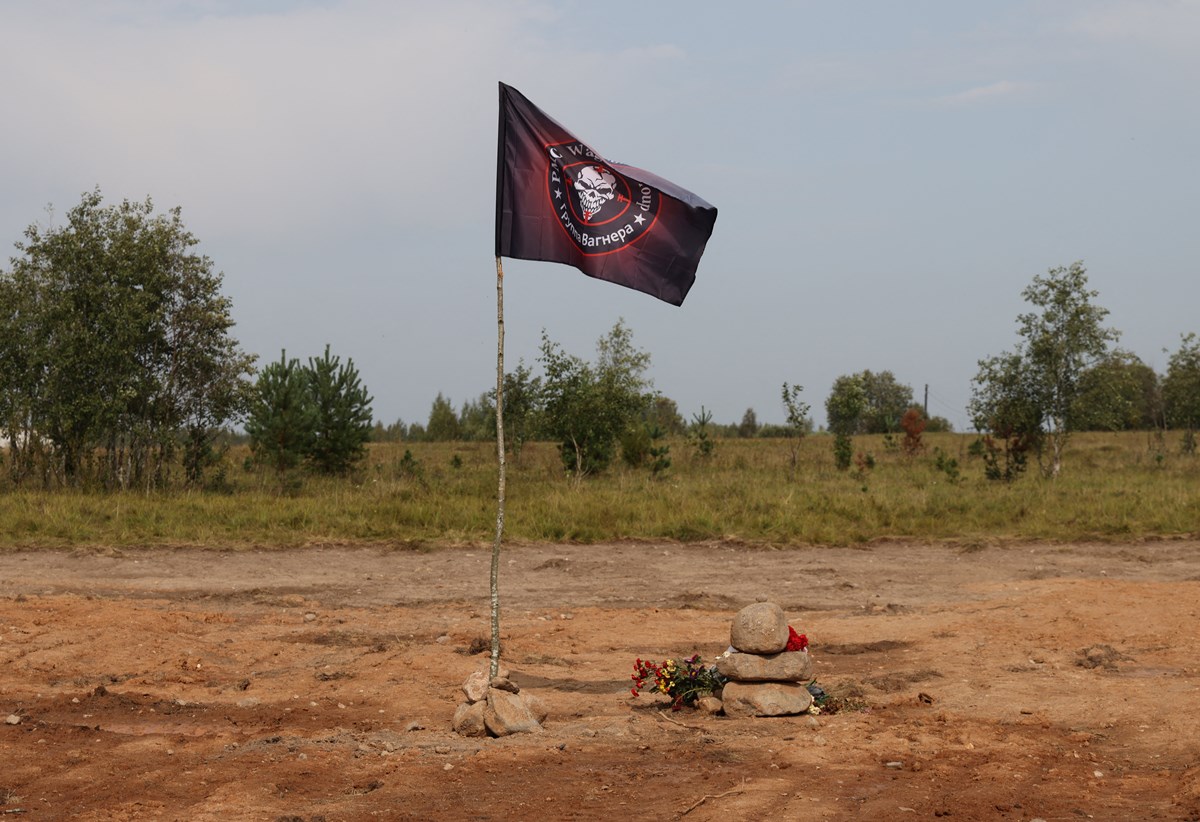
[447,767]
[12,719]
[894,765]
[310,616]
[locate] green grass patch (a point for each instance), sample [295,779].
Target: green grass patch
[1113,487]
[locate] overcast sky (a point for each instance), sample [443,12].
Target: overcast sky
[889,176]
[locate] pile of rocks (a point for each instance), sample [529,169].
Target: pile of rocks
[765,679]
[495,706]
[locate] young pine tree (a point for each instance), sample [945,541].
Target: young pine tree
[282,418]
[341,414]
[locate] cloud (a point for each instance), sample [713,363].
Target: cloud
[1160,24]
[1002,88]
[299,115]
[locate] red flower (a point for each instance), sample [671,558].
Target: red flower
[796,642]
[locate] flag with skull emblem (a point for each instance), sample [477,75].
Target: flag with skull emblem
[559,201]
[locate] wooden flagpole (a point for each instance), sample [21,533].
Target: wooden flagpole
[495,588]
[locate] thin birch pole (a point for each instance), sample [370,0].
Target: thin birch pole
[495,666]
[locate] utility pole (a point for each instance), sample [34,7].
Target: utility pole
[926,400]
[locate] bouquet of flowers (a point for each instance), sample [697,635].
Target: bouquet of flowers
[683,681]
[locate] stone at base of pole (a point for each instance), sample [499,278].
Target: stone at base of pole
[496,706]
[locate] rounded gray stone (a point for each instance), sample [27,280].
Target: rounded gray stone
[789,666]
[743,699]
[760,628]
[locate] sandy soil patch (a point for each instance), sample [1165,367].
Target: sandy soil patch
[1013,682]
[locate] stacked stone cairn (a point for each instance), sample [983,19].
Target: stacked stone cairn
[765,679]
[495,706]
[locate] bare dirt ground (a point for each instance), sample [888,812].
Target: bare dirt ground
[1012,682]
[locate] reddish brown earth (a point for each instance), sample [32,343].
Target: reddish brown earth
[1012,682]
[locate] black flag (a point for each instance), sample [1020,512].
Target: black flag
[558,200]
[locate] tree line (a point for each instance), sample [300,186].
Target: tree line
[1066,374]
[118,367]
[596,410]
[116,359]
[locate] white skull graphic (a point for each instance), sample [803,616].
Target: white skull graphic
[595,187]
